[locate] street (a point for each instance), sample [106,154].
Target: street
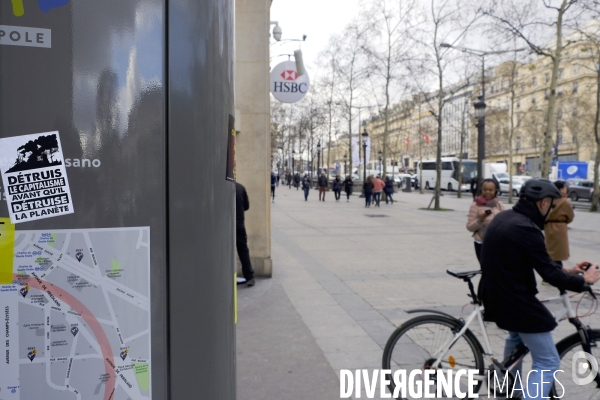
[344,275]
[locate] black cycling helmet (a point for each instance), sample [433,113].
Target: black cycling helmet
[539,189]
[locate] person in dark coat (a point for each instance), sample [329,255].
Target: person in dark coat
[513,249]
[322,182]
[273,184]
[337,187]
[474,187]
[242,204]
[348,187]
[306,186]
[297,180]
[368,190]
[389,190]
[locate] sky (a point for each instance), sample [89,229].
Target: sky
[317,19]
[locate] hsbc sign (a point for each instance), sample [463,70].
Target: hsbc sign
[287,85]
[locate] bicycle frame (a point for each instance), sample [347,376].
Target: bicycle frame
[566,312]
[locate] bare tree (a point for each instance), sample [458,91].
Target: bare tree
[591,34]
[391,24]
[449,21]
[350,67]
[526,19]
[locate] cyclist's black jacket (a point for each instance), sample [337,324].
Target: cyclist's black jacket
[512,248]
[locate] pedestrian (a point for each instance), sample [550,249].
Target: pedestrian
[557,239]
[337,187]
[474,187]
[389,190]
[297,180]
[242,204]
[273,184]
[416,184]
[368,190]
[482,211]
[348,187]
[378,186]
[306,186]
[288,178]
[278,179]
[322,182]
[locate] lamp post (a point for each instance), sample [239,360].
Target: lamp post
[480,115]
[364,135]
[480,105]
[319,158]
[345,158]
[379,153]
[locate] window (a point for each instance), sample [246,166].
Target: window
[446,166]
[533,98]
[534,82]
[567,54]
[546,94]
[533,141]
[559,136]
[560,73]
[547,77]
[522,87]
[498,102]
[576,69]
[575,86]
[559,90]
[518,103]
[559,114]
[506,103]
[492,89]
[518,143]
[574,108]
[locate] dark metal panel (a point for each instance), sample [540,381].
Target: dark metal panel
[201,201]
[101,86]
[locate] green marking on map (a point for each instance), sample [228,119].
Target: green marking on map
[116,266]
[142,375]
[52,240]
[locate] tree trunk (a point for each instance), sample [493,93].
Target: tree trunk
[438,163]
[597,137]
[551,117]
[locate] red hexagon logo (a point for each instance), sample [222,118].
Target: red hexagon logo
[289,75]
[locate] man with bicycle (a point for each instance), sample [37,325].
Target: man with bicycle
[513,248]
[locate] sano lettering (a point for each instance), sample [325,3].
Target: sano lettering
[289,87]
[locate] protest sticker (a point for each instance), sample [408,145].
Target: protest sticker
[34,177]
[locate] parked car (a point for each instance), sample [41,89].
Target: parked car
[580,189]
[516,185]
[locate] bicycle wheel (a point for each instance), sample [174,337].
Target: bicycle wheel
[415,345]
[567,348]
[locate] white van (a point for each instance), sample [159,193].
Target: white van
[450,173]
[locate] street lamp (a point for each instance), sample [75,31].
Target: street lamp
[379,153]
[364,135]
[319,158]
[345,158]
[480,105]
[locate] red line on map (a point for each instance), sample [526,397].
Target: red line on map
[91,320]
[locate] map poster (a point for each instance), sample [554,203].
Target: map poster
[76,315]
[34,177]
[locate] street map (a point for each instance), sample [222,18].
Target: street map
[76,316]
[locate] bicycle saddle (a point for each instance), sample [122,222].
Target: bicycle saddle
[463,274]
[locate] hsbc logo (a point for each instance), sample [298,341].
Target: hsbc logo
[287,85]
[289,75]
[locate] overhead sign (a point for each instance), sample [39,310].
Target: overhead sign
[287,85]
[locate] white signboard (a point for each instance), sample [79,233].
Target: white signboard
[287,85]
[34,177]
[76,316]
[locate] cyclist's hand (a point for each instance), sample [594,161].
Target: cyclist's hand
[592,275]
[579,268]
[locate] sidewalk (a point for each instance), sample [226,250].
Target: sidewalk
[344,276]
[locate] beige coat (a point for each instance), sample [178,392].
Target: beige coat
[477,227]
[557,238]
